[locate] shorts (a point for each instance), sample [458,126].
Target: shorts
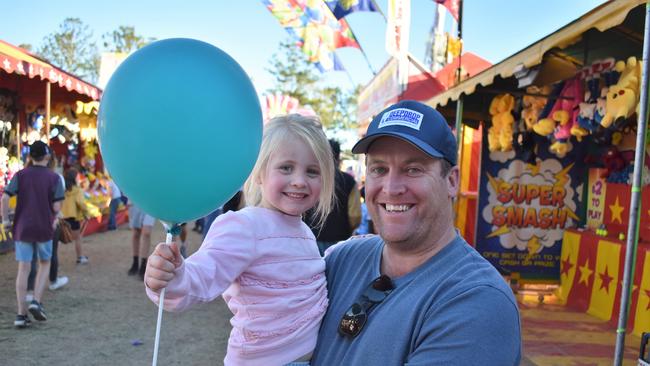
[25,250]
[138,219]
[74,224]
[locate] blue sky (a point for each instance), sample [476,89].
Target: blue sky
[493,29]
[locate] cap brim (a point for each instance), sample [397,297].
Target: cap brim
[362,146]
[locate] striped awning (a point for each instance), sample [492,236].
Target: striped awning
[15,60]
[604,17]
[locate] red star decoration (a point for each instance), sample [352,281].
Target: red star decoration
[566,267]
[606,279]
[647,307]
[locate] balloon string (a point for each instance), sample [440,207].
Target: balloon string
[161,301]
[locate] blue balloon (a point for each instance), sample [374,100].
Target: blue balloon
[179,128]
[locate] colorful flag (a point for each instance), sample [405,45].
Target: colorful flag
[316,31]
[568,264]
[398,25]
[606,277]
[452,5]
[342,8]
[642,311]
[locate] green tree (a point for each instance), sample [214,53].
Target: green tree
[26,46]
[293,75]
[124,39]
[72,49]
[296,77]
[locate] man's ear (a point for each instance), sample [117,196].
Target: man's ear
[453,181]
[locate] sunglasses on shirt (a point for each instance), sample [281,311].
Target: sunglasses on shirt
[356,316]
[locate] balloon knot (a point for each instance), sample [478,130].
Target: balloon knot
[175,230]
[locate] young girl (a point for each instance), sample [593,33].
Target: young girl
[74,210]
[263,259]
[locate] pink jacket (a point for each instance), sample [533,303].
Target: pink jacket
[267,267]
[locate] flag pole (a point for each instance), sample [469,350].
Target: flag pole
[459,103]
[637,185]
[379,10]
[374,73]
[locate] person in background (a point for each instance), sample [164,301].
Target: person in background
[417,293]
[263,258]
[198,225]
[141,226]
[74,211]
[365,226]
[39,194]
[346,213]
[209,219]
[56,281]
[183,239]
[116,199]
[235,203]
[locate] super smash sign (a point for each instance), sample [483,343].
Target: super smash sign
[523,211]
[525,205]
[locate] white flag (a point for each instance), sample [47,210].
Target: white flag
[397,34]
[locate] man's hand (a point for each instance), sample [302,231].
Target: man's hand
[161,266]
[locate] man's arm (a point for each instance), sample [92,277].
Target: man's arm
[56,207]
[59,196]
[10,190]
[5,210]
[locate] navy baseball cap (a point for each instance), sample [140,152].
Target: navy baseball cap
[413,122]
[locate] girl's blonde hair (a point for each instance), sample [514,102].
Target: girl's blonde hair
[284,130]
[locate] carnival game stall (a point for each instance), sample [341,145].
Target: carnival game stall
[559,122]
[39,101]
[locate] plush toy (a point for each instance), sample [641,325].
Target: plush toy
[601,106]
[588,118]
[562,120]
[623,97]
[500,134]
[613,161]
[532,105]
[562,133]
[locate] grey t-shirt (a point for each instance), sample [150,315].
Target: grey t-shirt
[455,309]
[37,188]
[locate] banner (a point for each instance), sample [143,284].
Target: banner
[108,64]
[342,8]
[524,209]
[398,24]
[316,31]
[452,5]
[596,199]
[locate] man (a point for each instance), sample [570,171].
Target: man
[437,301]
[346,213]
[39,194]
[141,226]
[116,199]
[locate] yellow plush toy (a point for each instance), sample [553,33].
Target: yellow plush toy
[533,105]
[623,97]
[561,133]
[500,134]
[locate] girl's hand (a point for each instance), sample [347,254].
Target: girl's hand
[161,266]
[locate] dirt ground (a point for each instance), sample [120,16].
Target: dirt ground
[101,312]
